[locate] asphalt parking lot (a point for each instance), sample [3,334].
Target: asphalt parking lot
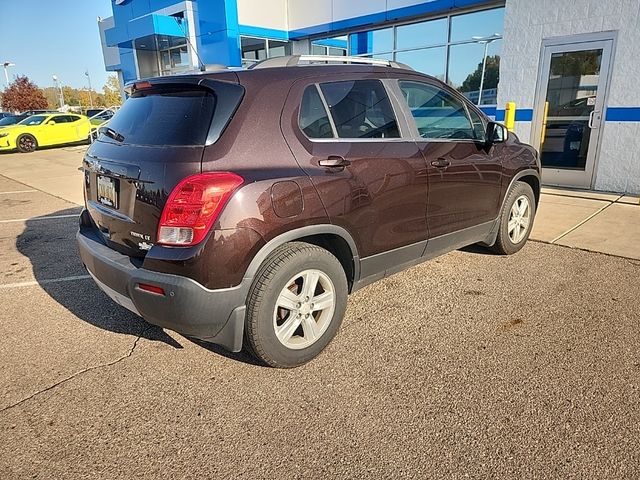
[472,365]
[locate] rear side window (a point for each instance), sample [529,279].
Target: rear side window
[314,120]
[437,113]
[165,117]
[360,109]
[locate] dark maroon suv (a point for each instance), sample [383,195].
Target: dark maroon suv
[242,207]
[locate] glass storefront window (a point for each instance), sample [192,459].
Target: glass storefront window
[253,48]
[431,61]
[444,48]
[465,68]
[376,41]
[256,49]
[476,24]
[336,46]
[423,34]
[279,49]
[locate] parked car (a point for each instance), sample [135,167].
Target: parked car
[38,112]
[99,115]
[45,130]
[5,114]
[242,207]
[11,120]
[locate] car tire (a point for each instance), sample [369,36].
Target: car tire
[26,143]
[283,326]
[516,219]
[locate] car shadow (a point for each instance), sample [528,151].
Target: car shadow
[50,246]
[477,249]
[241,356]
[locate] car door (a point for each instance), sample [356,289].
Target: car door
[53,130]
[464,171]
[75,131]
[361,157]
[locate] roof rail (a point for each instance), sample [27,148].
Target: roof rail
[293,60]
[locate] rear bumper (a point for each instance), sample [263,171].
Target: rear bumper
[187,307]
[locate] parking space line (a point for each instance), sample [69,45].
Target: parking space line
[44,282]
[575,227]
[18,191]
[50,217]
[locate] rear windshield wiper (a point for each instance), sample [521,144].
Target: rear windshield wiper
[110,132]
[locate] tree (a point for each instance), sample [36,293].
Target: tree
[111,91]
[23,95]
[491,76]
[52,94]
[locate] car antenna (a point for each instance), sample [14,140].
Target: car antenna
[193,49]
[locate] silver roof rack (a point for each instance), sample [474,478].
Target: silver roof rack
[293,60]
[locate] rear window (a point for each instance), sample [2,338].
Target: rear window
[165,117]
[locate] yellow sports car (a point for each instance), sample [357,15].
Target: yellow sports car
[45,130]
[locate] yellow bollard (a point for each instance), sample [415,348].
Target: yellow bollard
[510,116]
[544,123]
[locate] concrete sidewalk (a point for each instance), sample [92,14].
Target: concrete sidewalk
[55,171]
[595,221]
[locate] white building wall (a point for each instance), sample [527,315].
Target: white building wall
[111,55]
[528,22]
[264,13]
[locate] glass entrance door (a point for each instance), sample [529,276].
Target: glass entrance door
[569,110]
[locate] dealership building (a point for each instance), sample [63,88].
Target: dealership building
[571,68]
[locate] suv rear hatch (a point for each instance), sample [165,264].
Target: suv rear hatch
[156,139]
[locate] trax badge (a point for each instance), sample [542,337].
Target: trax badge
[140,235]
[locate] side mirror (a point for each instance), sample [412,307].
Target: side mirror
[51,122]
[496,133]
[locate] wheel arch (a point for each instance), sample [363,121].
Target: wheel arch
[529,176]
[333,238]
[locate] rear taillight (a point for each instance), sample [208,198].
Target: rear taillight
[193,206]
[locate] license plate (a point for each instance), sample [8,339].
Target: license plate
[108,191]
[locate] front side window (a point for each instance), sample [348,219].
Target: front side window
[479,127]
[437,113]
[360,109]
[33,120]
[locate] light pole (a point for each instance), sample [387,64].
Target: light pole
[486,41]
[86,72]
[59,87]
[6,75]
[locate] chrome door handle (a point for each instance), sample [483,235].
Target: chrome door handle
[334,161]
[591,117]
[440,163]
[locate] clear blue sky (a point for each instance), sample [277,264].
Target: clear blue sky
[46,37]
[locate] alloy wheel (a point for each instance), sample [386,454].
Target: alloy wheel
[304,309]
[519,219]
[26,144]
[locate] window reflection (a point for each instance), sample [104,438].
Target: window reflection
[453,55]
[476,24]
[375,41]
[465,69]
[423,34]
[431,61]
[336,46]
[255,49]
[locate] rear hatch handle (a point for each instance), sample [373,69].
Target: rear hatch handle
[112,169]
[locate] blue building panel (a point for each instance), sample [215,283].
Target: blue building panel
[141,27]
